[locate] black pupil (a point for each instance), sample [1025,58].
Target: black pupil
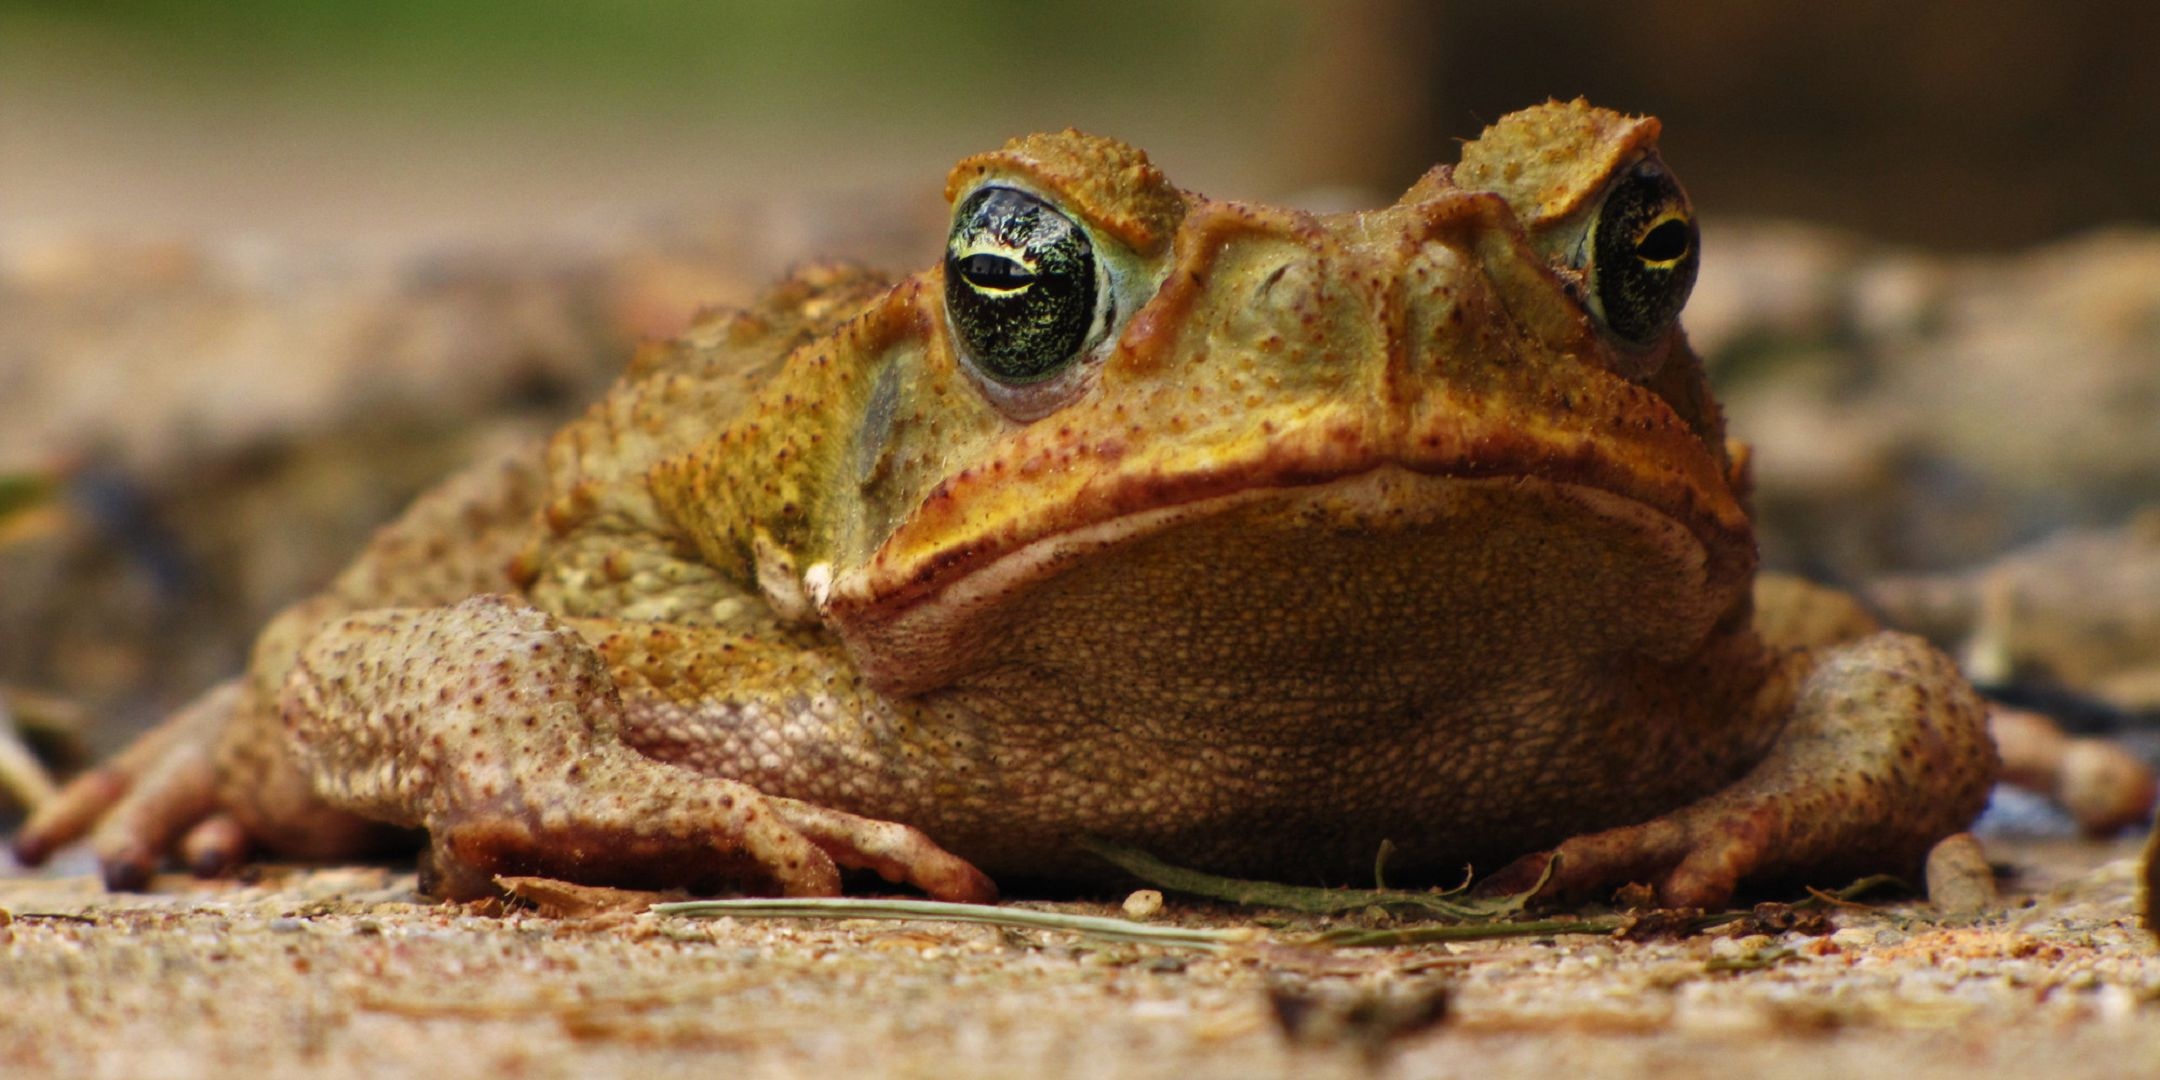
[1020,285]
[1665,243]
[1644,254]
[995,272]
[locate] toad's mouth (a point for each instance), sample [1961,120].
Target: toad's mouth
[918,623]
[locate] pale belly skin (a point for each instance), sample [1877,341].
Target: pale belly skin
[613,662]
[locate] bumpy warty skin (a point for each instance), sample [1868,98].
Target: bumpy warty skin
[1340,530]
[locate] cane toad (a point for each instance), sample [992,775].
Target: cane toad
[1250,537]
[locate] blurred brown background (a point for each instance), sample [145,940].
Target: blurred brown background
[1970,125]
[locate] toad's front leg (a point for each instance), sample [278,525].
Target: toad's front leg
[1883,752]
[499,730]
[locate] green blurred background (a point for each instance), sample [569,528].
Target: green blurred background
[1973,125]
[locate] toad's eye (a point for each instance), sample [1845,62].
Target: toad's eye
[1644,251]
[1022,286]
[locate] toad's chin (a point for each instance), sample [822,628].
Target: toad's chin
[1396,568]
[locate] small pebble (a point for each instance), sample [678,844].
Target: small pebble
[1143,904]
[2117,1003]
[1959,879]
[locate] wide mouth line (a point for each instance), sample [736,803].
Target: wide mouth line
[1202,495]
[919,631]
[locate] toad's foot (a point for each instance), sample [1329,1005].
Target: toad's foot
[142,803]
[498,730]
[2099,783]
[210,784]
[1885,753]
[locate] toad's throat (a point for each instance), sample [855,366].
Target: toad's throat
[1386,530]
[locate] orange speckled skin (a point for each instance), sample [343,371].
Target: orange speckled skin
[1358,528]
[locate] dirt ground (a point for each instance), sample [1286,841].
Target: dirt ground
[346,972]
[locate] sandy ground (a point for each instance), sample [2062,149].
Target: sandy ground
[345,972]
